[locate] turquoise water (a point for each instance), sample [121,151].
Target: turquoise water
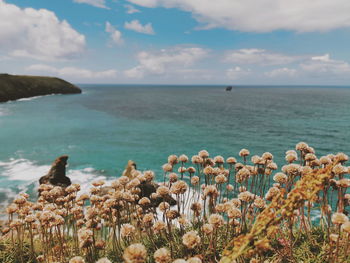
[106,126]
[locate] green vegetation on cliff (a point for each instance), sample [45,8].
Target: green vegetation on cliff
[14,87]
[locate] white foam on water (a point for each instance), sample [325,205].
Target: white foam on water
[27,172]
[33,98]
[23,170]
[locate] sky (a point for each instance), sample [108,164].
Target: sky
[230,42]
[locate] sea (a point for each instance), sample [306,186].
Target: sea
[107,125]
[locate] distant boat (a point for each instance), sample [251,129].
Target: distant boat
[228,88]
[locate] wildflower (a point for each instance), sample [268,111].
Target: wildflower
[345,182]
[272,166]
[220,208]
[179,187]
[339,169]
[346,227]
[325,160]
[135,253]
[229,187]
[194,260]
[149,175]
[310,157]
[280,178]
[77,259]
[339,218]
[123,180]
[245,196]
[127,230]
[144,201]
[292,169]
[11,209]
[172,214]
[231,160]
[191,170]
[267,156]
[236,202]
[342,157]
[208,170]
[291,158]
[259,203]
[220,179]
[301,146]
[333,237]
[183,158]
[210,190]
[256,159]
[20,200]
[163,206]
[158,226]
[148,218]
[219,159]
[271,193]
[203,154]
[172,159]
[194,180]
[182,169]
[191,239]
[173,177]
[244,152]
[208,228]
[306,170]
[234,213]
[196,159]
[162,255]
[103,260]
[183,220]
[242,175]
[216,220]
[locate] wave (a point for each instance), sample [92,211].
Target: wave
[22,175]
[35,97]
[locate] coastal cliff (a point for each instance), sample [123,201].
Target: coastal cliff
[14,87]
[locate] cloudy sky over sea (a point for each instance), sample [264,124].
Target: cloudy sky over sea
[178,41]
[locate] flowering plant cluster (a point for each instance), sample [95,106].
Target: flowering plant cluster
[226,210]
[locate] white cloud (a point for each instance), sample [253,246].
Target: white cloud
[325,65]
[131,9]
[37,34]
[263,16]
[96,3]
[72,72]
[237,73]
[281,72]
[165,61]
[116,35]
[135,25]
[258,56]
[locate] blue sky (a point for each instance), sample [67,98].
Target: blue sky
[178,41]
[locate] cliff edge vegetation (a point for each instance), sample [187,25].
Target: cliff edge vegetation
[14,87]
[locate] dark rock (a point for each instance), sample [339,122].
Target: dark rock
[148,188]
[14,87]
[57,174]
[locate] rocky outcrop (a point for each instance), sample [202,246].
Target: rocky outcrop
[57,174]
[14,87]
[147,188]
